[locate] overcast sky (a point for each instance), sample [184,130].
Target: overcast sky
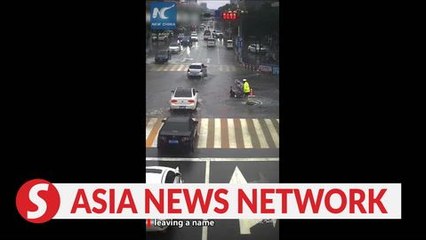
[214,4]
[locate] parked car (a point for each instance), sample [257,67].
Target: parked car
[161,175]
[229,44]
[197,70]
[257,48]
[162,56]
[177,133]
[184,98]
[186,42]
[174,47]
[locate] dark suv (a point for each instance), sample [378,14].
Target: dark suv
[162,56]
[186,41]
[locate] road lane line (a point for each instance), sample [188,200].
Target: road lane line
[246,134]
[149,126]
[231,133]
[259,132]
[273,132]
[154,132]
[154,143]
[217,133]
[202,138]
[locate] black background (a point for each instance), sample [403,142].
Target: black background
[73,106]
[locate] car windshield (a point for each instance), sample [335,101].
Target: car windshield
[183,93]
[195,66]
[176,126]
[174,45]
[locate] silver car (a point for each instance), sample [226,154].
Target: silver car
[161,175]
[197,70]
[184,98]
[174,47]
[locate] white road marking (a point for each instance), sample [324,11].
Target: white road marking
[149,127]
[259,132]
[245,224]
[246,138]
[231,134]
[181,68]
[154,143]
[217,133]
[202,137]
[246,134]
[273,131]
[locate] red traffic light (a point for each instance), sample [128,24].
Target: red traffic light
[229,15]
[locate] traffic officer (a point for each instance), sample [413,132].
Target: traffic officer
[246,87]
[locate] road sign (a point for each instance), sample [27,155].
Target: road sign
[163,15]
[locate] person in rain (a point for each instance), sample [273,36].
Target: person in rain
[246,87]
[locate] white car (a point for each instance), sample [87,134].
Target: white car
[161,175]
[174,47]
[257,48]
[194,37]
[184,98]
[229,44]
[211,42]
[197,70]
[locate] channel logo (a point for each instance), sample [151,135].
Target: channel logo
[163,15]
[161,12]
[38,201]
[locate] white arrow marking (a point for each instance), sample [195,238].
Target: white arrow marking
[207,60]
[245,224]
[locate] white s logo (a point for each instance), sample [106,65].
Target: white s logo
[160,12]
[37,200]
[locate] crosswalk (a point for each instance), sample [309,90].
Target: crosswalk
[183,68]
[233,133]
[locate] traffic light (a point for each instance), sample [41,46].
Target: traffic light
[229,15]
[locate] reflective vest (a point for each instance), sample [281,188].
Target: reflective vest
[246,87]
